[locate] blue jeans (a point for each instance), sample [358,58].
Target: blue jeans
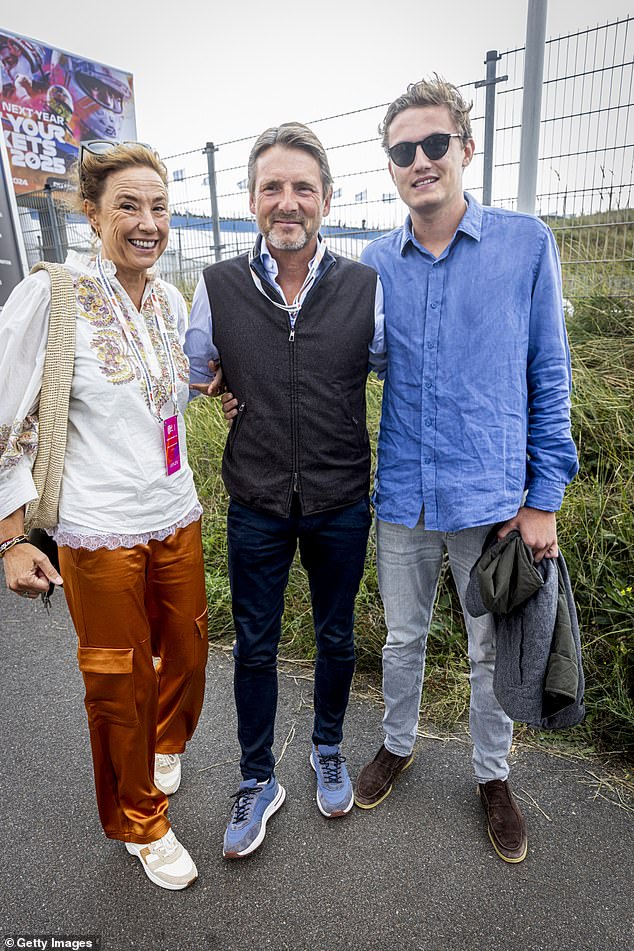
[409,563]
[261,548]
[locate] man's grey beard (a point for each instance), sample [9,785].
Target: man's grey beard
[282,244]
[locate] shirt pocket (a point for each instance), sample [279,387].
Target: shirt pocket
[108,674]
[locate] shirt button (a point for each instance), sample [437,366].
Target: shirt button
[428,421]
[434,305]
[430,345]
[427,460]
[428,384]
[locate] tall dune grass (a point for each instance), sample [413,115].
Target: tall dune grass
[596,529]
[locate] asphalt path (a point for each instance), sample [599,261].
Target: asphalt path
[415,874]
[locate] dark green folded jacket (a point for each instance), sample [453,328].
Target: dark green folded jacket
[538,677]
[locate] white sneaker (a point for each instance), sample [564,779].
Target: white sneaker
[167,772]
[165,862]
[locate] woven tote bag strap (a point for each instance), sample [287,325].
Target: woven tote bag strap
[54,397]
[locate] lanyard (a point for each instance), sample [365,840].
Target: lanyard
[291,309]
[125,326]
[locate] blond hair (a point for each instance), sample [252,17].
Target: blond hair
[434,91]
[94,170]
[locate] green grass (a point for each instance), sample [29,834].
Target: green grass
[597,518]
[596,529]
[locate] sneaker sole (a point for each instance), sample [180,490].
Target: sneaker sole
[507,858]
[270,810]
[373,805]
[170,886]
[337,813]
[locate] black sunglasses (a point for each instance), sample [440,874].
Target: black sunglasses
[434,146]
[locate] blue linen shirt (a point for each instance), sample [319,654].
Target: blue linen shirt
[476,400]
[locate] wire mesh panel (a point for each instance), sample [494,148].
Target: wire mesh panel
[584,185]
[586,153]
[585,169]
[50,227]
[364,201]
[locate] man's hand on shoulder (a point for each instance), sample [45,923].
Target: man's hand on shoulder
[538,530]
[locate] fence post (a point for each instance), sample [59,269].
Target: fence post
[532,104]
[55,232]
[210,150]
[490,82]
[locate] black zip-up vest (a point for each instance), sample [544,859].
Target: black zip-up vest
[301,418]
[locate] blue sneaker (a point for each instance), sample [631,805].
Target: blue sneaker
[255,804]
[334,789]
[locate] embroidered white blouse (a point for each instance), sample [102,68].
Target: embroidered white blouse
[115,491]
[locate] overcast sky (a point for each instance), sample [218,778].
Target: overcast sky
[219,71]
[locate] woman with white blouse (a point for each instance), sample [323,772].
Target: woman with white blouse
[128,531]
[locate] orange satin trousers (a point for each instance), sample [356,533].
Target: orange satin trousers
[128,606]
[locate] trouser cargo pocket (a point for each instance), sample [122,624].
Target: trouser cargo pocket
[109,679]
[202,624]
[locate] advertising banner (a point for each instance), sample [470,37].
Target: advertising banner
[50,101]
[13,265]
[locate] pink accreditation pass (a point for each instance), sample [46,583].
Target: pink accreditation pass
[172,448]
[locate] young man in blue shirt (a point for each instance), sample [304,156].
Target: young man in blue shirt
[475,426]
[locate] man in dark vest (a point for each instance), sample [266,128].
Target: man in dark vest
[296,328]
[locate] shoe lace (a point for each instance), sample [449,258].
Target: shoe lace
[243,803]
[165,846]
[166,760]
[331,766]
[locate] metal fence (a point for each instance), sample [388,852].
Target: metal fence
[585,170]
[586,153]
[49,226]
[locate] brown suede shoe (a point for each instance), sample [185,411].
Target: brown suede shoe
[377,777]
[507,829]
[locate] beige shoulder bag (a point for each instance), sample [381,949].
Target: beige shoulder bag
[54,398]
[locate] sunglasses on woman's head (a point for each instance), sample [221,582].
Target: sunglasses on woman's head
[434,146]
[103,146]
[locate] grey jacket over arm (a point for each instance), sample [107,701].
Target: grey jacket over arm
[538,676]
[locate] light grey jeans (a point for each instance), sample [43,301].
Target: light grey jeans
[409,563]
